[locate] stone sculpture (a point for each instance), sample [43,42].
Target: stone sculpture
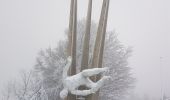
[72,83]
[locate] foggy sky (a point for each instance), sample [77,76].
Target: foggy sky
[27,26]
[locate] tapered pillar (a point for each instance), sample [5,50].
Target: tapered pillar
[98,37]
[95,56]
[103,36]
[85,55]
[70,29]
[99,44]
[100,62]
[72,40]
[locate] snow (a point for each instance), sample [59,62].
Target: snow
[71,83]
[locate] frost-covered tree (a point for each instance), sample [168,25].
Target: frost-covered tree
[50,63]
[26,87]
[6,91]
[49,68]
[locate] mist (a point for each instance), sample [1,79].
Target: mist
[26,27]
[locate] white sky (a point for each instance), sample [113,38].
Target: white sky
[26,26]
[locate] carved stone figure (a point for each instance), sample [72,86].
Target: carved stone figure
[71,83]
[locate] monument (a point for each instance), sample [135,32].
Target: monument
[82,84]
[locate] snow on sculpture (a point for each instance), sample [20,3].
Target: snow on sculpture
[71,83]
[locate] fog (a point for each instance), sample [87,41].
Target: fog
[27,26]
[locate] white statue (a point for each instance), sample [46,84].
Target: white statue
[71,83]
